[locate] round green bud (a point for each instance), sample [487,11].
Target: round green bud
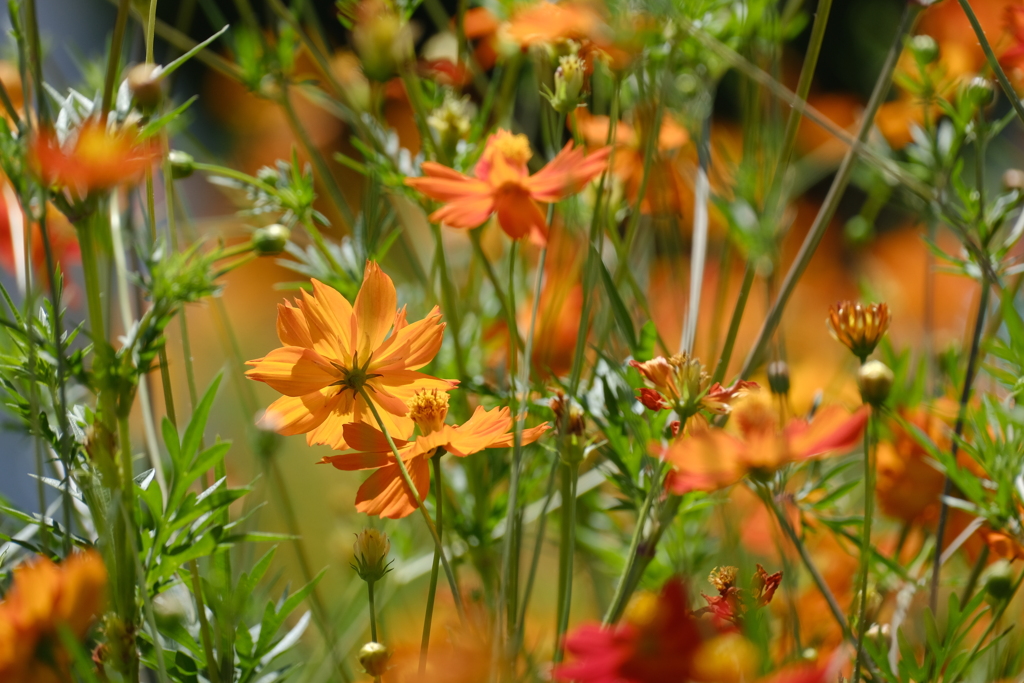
[270,240]
[998,580]
[978,92]
[875,381]
[374,658]
[924,48]
[778,377]
[182,164]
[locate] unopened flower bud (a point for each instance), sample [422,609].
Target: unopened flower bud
[370,554]
[998,580]
[382,40]
[778,377]
[1013,179]
[924,48]
[270,240]
[145,85]
[858,326]
[267,176]
[374,658]
[978,92]
[452,121]
[875,381]
[182,164]
[568,84]
[575,422]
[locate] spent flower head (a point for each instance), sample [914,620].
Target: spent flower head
[370,554]
[428,409]
[858,326]
[681,383]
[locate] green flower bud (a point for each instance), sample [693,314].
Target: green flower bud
[778,377]
[370,553]
[182,164]
[267,175]
[978,92]
[270,240]
[875,381]
[374,658]
[452,121]
[924,48]
[382,40]
[568,84]
[145,86]
[998,580]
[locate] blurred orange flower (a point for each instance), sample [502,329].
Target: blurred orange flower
[548,22]
[504,186]
[333,351]
[710,458]
[385,494]
[667,191]
[43,598]
[93,157]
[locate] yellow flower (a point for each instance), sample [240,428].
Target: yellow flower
[333,351]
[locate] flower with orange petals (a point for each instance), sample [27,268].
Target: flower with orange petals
[502,185]
[709,458]
[680,382]
[334,353]
[857,326]
[384,493]
[93,158]
[43,598]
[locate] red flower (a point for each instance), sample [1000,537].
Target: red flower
[655,646]
[93,158]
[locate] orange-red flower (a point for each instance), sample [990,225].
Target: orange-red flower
[502,185]
[709,459]
[43,598]
[680,382]
[333,351]
[93,157]
[385,494]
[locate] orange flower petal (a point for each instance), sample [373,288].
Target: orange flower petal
[291,415]
[384,494]
[293,371]
[518,214]
[832,429]
[374,310]
[351,462]
[292,329]
[707,460]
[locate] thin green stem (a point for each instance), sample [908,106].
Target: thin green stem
[835,193]
[535,559]
[865,547]
[373,612]
[566,555]
[435,462]
[450,298]
[805,556]
[150,31]
[127,556]
[114,58]
[958,430]
[621,595]
[499,291]
[415,494]
[993,61]
[734,324]
[204,623]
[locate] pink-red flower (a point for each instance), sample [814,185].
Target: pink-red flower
[503,186]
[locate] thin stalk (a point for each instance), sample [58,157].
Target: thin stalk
[36,62]
[452,583]
[535,559]
[993,61]
[958,430]
[805,556]
[618,602]
[450,297]
[114,59]
[972,580]
[835,193]
[699,250]
[435,462]
[127,557]
[373,612]
[734,324]
[499,291]
[150,31]
[566,555]
[865,546]
[204,623]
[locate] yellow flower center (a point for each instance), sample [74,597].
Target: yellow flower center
[428,409]
[515,148]
[723,578]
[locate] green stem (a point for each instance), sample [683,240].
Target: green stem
[499,291]
[958,430]
[972,580]
[204,623]
[373,612]
[435,462]
[993,61]
[126,557]
[535,560]
[450,298]
[566,555]
[618,602]
[452,583]
[150,31]
[805,556]
[835,193]
[865,547]
[114,59]
[734,323]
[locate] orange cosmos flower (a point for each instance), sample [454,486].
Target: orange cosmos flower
[43,597]
[504,186]
[93,157]
[710,459]
[385,494]
[334,350]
